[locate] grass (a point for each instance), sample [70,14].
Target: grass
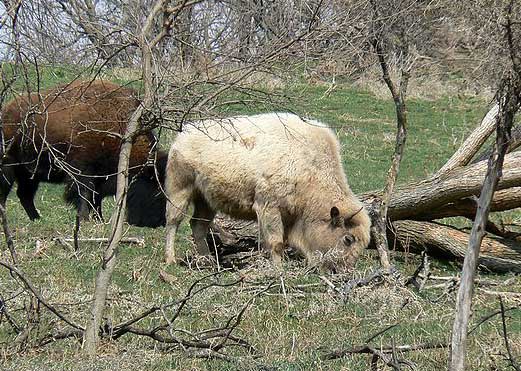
[289,331]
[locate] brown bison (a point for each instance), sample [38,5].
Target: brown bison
[72,134]
[278,168]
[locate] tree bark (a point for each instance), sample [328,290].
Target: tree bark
[497,254]
[419,200]
[104,275]
[506,199]
[472,144]
[147,41]
[466,289]
[8,235]
[380,205]
[514,143]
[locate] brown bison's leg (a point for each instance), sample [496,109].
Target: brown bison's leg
[84,189]
[26,191]
[272,229]
[176,206]
[200,224]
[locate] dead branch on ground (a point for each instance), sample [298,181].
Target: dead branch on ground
[36,293]
[387,354]
[208,343]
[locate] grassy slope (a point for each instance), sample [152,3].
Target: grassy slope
[286,329]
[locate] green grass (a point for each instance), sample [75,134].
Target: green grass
[289,331]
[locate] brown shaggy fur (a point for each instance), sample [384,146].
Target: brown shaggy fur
[71,133]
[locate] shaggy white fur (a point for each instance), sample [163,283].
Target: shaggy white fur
[276,167]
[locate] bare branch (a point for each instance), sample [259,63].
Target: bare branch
[472,144]
[30,287]
[511,358]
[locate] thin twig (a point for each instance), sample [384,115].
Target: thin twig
[511,358]
[30,287]
[8,235]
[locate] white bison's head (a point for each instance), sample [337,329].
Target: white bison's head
[338,238]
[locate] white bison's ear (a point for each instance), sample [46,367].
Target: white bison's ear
[335,217]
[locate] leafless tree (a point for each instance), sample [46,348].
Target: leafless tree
[509,100]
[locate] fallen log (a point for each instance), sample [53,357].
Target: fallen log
[506,199]
[497,254]
[418,200]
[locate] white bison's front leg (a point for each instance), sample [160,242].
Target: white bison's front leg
[176,206]
[272,230]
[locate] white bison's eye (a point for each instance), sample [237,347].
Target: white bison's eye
[349,239]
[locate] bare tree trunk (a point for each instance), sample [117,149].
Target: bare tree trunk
[465,292]
[379,206]
[183,35]
[109,257]
[147,41]
[245,30]
[509,98]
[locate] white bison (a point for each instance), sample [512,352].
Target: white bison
[278,168]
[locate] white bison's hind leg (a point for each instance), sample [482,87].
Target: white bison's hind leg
[272,230]
[176,207]
[200,224]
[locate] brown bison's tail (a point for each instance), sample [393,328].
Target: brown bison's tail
[146,201]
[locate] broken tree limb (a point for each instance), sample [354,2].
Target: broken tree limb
[472,144]
[367,349]
[514,143]
[506,199]
[28,286]
[417,201]
[498,255]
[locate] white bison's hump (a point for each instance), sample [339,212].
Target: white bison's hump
[259,132]
[280,155]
